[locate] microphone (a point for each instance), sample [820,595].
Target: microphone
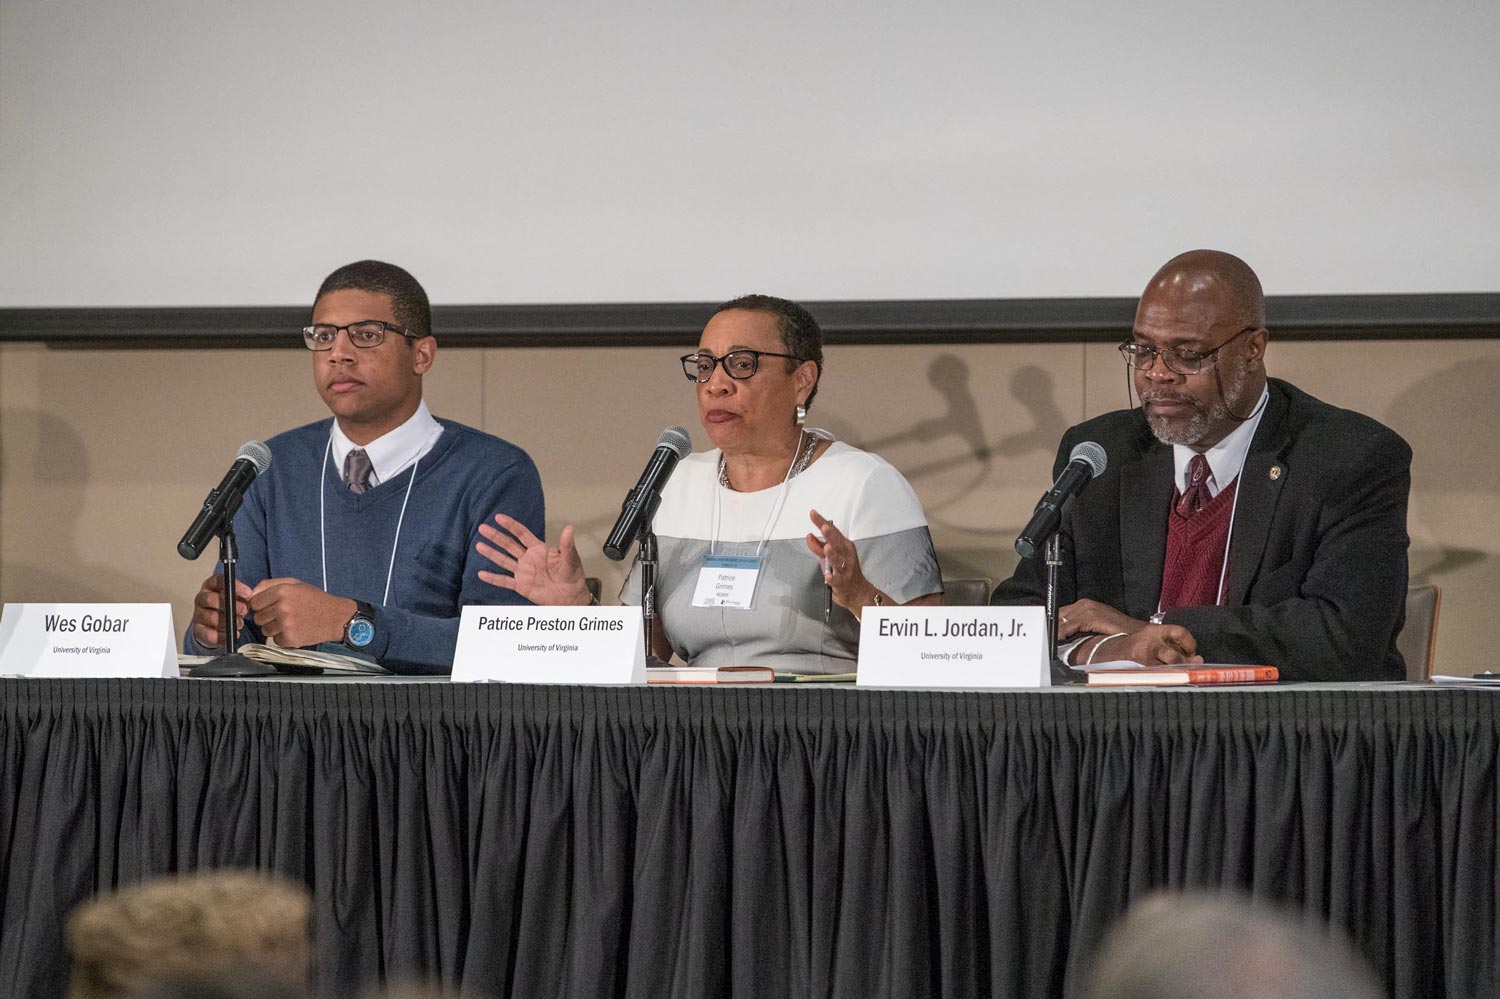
[1086,461]
[250,460]
[641,502]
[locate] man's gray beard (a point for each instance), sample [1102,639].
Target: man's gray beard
[1202,422]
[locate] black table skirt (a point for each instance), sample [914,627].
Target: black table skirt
[564,841]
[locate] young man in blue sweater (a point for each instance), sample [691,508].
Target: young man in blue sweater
[362,531]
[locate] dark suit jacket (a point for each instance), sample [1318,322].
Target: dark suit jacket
[1317,561]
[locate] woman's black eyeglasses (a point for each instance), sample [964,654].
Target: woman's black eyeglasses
[738,364]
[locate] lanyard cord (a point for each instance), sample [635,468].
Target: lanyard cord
[1234,507]
[323,522]
[776,507]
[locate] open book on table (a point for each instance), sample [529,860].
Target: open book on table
[298,660]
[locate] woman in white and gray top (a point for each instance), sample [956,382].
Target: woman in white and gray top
[746,505]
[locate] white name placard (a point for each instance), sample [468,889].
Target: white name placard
[550,645]
[87,640]
[953,647]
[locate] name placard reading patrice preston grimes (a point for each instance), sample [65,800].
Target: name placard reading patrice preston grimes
[550,645]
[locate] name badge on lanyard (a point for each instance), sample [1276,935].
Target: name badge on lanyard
[728,581]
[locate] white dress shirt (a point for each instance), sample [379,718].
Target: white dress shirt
[1226,458]
[392,452]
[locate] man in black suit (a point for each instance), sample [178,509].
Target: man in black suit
[1239,519]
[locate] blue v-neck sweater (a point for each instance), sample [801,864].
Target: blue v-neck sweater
[465,479]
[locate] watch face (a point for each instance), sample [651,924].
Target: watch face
[361,632]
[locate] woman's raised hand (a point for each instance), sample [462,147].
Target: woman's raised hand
[841,568]
[545,576]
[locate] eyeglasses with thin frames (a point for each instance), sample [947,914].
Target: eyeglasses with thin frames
[738,364]
[365,333]
[1142,356]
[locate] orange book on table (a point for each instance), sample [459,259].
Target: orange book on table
[1192,676]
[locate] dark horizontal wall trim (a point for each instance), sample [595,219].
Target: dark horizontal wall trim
[947,321]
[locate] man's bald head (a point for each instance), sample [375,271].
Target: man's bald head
[1202,946]
[1200,330]
[1205,274]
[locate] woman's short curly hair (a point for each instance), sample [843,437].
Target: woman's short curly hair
[801,336]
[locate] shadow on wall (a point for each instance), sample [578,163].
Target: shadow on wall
[1032,387]
[948,374]
[969,457]
[44,467]
[1445,418]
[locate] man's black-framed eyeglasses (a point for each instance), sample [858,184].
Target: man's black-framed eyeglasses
[738,364]
[365,333]
[1142,356]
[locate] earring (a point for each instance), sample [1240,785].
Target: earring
[801,414]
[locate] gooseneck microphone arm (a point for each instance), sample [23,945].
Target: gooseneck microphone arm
[1084,462]
[645,496]
[219,508]
[224,500]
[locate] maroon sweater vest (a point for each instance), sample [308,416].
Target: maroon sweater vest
[1195,551]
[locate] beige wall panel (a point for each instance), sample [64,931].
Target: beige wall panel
[973,428]
[589,418]
[1105,387]
[106,454]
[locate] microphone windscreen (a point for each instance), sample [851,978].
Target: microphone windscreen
[256,454]
[1091,454]
[677,439]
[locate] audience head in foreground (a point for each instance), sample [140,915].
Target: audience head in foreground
[755,373]
[217,923]
[361,532]
[241,983]
[1238,519]
[1218,947]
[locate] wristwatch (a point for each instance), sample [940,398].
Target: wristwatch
[360,631]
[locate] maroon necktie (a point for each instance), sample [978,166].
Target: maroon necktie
[1195,497]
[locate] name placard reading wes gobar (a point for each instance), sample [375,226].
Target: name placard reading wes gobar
[550,645]
[87,640]
[953,647]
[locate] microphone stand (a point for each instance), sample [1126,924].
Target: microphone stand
[232,663]
[1053,554]
[648,582]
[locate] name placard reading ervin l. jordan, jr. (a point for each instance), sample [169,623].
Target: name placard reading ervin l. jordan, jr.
[953,647]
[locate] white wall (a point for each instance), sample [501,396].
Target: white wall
[157,152]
